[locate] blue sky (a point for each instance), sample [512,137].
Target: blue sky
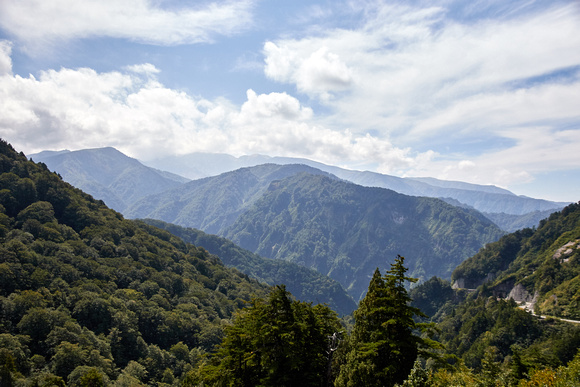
[486,92]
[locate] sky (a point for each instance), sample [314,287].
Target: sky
[482,91]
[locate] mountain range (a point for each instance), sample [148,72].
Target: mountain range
[125,181]
[90,296]
[213,203]
[86,292]
[484,198]
[346,231]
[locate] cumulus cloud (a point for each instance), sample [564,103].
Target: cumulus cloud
[411,64]
[397,89]
[318,73]
[37,21]
[273,104]
[135,113]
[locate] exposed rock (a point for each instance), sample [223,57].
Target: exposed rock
[523,297]
[520,294]
[566,250]
[462,283]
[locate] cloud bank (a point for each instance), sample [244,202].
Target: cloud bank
[135,113]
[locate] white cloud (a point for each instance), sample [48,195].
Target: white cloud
[271,105]
[410,64]
[36,22]
[536,150]
[145,68]
[318,73]
[496,111]
[414,78]
[135,113]
[5,59]
[424,80]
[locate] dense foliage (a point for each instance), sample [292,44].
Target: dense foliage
[481,324]
[304,283]
[87,294]
[498,344]
[492,259]
[345,230]
[544,262]
[435,297]
[88,298]
[274,342]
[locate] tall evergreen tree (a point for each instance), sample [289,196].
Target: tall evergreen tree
[384,345]
[275,342]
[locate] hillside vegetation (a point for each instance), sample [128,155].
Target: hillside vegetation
[484,198]
[109,175]
[535,265]
[91,299]
[84,290]
[304,283]
[215,203]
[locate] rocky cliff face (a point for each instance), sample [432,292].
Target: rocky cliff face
[465,283]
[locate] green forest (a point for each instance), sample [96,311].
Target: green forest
[89,298]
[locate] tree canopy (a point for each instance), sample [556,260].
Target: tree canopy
[384,342]
[278,341]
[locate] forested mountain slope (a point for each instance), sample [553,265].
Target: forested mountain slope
[109,175]
[87,294]
[536,265]
[213,203]
[304,283]
[484,198]
[488,327]
[346,231]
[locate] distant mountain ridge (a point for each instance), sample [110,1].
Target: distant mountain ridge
[108,174]
[484,198]
[214,203]
[123,187]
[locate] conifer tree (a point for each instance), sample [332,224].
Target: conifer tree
[384,345]
[275,342]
